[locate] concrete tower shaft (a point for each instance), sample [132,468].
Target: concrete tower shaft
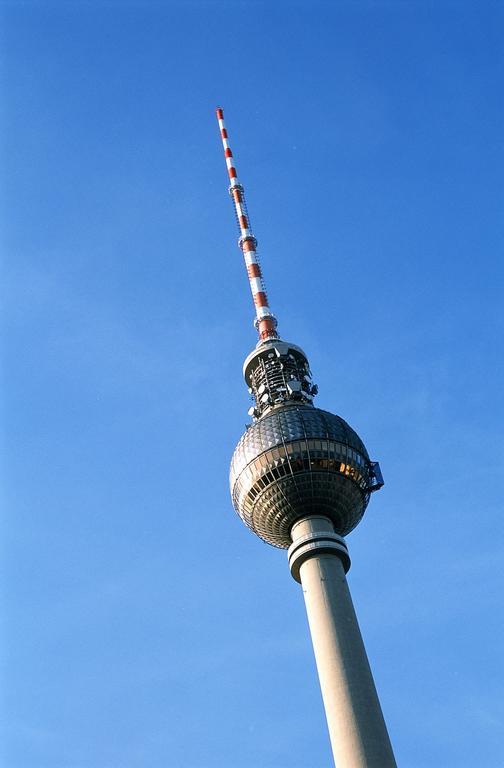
[318,559]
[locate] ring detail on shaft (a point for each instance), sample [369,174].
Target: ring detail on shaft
[319,543]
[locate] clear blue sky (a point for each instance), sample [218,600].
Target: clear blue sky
[145,626]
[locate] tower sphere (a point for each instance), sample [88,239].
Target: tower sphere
[295,460]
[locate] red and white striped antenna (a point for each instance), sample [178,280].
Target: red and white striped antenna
[265,321]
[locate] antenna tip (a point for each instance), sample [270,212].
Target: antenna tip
[220,113]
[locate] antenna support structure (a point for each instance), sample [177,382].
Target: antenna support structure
[301,479]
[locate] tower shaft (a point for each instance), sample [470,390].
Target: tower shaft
[357,730]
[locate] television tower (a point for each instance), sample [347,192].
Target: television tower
[301,479]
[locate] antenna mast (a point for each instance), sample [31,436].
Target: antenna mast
[265,322]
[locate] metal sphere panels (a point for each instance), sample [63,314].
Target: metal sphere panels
[295,461]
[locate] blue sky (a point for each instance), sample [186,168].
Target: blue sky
[145,626]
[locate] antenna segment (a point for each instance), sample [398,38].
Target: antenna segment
[265,322]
